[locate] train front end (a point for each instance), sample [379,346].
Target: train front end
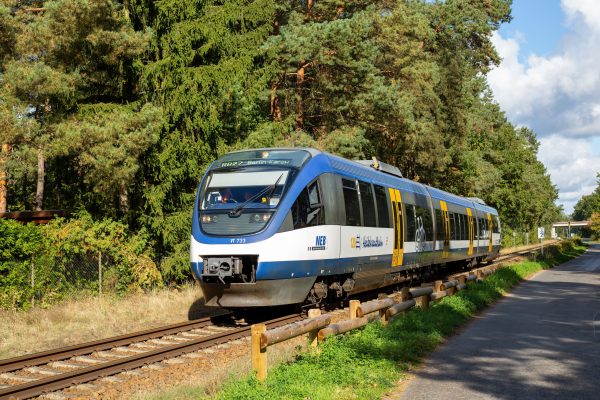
[240,209]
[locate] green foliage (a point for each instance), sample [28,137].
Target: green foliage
[595,227]
[120,106]
[71,54]
[57,252]
[587,205]
[206,74]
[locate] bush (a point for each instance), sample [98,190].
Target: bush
[62,258]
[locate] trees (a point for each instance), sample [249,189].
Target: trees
[118,107]
[64,54]
[587,205]
[206,72]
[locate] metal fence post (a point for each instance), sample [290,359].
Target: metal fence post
[99,272]
[32,281]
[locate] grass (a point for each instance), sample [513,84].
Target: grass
[366,364]
[84,319]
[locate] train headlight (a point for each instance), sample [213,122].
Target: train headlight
[209,219]
[260,218]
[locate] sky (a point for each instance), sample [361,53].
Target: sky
[549,81]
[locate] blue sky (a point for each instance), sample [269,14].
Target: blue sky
[540,23]
[549,80]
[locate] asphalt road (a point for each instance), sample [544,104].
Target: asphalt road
[542,341]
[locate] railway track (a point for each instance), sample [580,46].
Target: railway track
[39,373]
[36,374]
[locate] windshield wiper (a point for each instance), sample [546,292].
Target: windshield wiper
[269,189]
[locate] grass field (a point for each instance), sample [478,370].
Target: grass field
[367,364]
[91,318]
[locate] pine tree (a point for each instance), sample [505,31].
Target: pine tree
[66,53]
[206,73]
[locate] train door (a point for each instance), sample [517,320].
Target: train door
[446,219]
[490,230]
[398,216]
[471,231]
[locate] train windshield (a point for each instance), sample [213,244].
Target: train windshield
[244,189]
[253,179]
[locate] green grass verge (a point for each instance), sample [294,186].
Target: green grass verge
[366,364]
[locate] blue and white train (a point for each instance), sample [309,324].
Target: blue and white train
[289,226]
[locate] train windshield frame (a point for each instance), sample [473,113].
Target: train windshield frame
[252,188]
[255,179]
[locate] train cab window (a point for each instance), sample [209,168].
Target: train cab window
[307,210]
[383,211]
[368,206]
[496,224]
[411,228]
[351,203]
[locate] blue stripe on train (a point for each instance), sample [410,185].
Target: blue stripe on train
[197,269]
[332,266]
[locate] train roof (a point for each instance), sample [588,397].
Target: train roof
[386,175]
[362,169]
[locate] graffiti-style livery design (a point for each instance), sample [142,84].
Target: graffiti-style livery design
[288,226]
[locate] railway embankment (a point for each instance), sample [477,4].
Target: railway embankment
[372,362]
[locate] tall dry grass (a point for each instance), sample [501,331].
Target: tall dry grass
[86,319]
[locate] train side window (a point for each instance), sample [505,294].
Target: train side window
[453,226]
[496,224]
[439,223]
[465,227]
[368,207]
[351,203]
[307,210]
[481,229]
[383,211]
[411,228]
[425,220]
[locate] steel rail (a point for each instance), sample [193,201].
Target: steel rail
[44,357]
[86,374]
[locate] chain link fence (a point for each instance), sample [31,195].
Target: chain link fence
[43,279]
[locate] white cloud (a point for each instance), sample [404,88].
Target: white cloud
[572,165]
[559,98]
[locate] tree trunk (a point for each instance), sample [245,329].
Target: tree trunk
[300,103]
[123,197]
[4,177]
[275,108]
[41,173]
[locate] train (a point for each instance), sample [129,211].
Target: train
[296,226]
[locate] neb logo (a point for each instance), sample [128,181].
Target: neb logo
[321,241]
